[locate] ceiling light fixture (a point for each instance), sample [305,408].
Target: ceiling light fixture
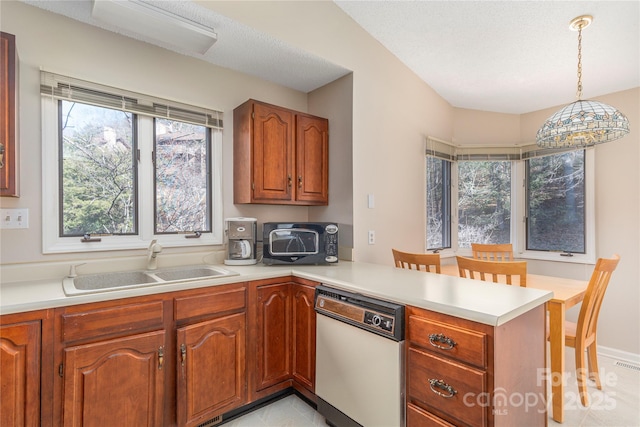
[156,23]
[583,123]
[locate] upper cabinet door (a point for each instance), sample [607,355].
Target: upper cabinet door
[273,153]
[312,159]
[8,184]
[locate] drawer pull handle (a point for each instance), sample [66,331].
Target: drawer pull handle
[441,385]
[435,339]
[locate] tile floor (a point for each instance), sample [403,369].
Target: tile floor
[617,405]
[290,411]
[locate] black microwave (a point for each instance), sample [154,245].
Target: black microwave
[299,243]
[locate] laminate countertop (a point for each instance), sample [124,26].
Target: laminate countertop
[483,302]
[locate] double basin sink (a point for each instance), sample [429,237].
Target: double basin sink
[103,282]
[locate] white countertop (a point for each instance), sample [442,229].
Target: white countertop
[488,303]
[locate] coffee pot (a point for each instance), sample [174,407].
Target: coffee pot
[241,245]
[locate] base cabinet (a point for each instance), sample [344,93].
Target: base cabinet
[211,369]
[465,373]
[163,360]
[119,380]
[283,336]
[303,337]
[20,374]
[273,323]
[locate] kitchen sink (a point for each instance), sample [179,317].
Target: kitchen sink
[97,282]
[190,273]
[104,282]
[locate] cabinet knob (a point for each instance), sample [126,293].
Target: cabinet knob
[183,354]
[289,180]
[299,181]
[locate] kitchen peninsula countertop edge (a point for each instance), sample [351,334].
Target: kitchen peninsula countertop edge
[483,302]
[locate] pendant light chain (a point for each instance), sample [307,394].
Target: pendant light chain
[579,92]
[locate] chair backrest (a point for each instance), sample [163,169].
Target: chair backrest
[492,252]
[588,317]
[411,261]
[494,271]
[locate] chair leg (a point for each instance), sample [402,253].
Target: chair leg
[581,376]
[592,357]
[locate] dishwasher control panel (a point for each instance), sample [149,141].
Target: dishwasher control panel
[378,316]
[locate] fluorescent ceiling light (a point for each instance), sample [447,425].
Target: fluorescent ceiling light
[156,23]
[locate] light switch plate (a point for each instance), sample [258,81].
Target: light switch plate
[14,218]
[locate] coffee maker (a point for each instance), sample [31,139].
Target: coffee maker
[241,235]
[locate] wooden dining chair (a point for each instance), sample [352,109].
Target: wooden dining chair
[582,335]
[417,261]
[493,271]
[492,251]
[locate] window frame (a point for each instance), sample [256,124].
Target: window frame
[518,202]
[51,193]
[590,223]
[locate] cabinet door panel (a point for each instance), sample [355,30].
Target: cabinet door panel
[116,382]
[274,335]
[211,368]
[312,159]
[273,150]
[304,336]
[20,374]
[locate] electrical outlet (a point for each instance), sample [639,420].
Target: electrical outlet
[372,237]
[14,218]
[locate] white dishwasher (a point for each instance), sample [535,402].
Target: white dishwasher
[359,359]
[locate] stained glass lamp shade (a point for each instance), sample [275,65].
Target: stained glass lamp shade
[582,123]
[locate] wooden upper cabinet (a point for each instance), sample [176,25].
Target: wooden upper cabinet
[8,164]
[312,159]
[280,156]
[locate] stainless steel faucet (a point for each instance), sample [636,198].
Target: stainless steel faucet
[154,249]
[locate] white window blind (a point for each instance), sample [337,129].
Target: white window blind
[447,151]
[440,149]
[71,89]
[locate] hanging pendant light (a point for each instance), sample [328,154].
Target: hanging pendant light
[583,123]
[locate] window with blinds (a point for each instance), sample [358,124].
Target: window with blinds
[493,187]
[123,168]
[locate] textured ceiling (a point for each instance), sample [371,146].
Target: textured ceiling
[502,56]
[508,56]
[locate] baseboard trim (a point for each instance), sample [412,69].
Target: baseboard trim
[619,354]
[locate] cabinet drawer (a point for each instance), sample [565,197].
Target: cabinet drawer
[448,340]
[418,417]
[468,401]
[112,321]
[216,301]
